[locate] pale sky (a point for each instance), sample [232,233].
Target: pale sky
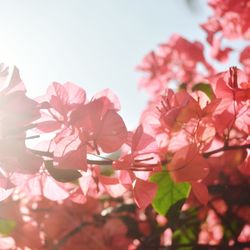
[96,44]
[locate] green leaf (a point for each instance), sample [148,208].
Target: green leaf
[183,239]
[6,226]
[62,175]
[168,193]
[205,88]
[188,229]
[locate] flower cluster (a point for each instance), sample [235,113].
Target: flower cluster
[89,183]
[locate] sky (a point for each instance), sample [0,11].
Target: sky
[96,44]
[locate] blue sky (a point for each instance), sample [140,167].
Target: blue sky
[96,44]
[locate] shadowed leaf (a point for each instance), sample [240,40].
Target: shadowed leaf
[168,193]
[62,175]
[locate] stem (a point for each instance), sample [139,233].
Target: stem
[205,155]
[76,230]
[225,148]
[138,167]
[32,137]
[100,162]
[236,246]
[41,153]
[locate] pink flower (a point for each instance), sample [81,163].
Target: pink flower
[17,112]
[176,60]
[230,20]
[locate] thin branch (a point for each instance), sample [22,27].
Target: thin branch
[236,246]
[138,166]
[41,153]
[225,148]
[100,162]
[74,231]
[32,137]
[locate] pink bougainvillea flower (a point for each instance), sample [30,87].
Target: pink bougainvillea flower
[112,100]
[177,60]
[233,89]
[143,157]
[245,60]
[232,84]
[211,27]
[60,100]
[15,157]
[94,183]
[188,164]
[228,160]
[177,109]
[70,152]
[200,191]
[41,184]
[17,112]
[144,192]
[81,126]
[65,97]
[218,53]
[230,20]
[98,122]
[143,153]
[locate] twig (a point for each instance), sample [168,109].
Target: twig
[74,231]
[137,166]
[236,246]
[225,148]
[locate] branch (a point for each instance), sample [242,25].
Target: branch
[225,148]
[205,155]
[41,153]
[74,231]
[236,246]
[144,167]
[100,162]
